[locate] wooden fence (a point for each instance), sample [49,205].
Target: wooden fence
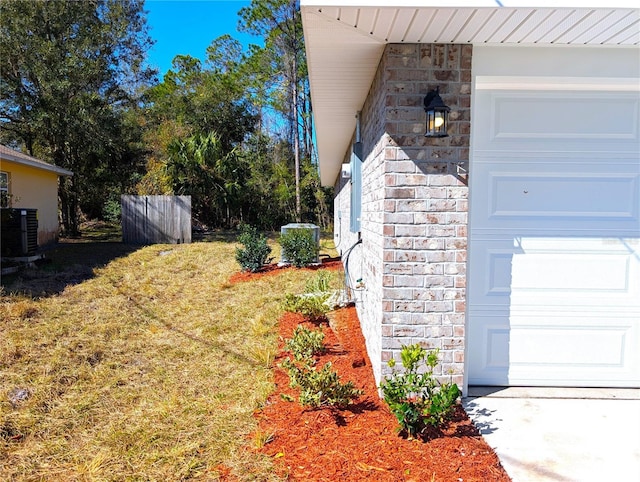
[156,219]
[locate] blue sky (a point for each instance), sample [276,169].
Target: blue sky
[187,27]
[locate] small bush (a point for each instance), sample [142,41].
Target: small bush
[305,343]
[314,303]
[417,399]
[311,306]
[112,210]
[321,282]
[320,388]
[299,247]
[255,253]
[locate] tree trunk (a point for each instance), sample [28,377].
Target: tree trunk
[294,95]
[296,138]
[69,207]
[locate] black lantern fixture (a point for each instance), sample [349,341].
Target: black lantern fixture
[437,114]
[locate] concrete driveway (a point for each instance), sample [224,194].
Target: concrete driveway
[560,434]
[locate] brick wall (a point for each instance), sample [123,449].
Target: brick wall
[414,207]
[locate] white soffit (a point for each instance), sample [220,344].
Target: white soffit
[345,40]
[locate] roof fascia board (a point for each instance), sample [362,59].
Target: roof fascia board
[38,165]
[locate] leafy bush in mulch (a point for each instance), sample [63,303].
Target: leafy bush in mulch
[418,400]
[255,253]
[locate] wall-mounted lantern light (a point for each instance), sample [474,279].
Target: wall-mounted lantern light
[437,114]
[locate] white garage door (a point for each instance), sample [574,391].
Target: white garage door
[554,259]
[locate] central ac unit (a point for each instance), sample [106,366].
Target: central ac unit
[311,227]
[18,232]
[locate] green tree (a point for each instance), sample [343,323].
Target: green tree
[246,101]
[270,188]
[200,167]
[203,99]
[69,71]
[195,107]
[279,23]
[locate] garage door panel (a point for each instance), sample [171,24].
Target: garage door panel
[576,274]
[565,117]
[560,196]
[543,273]
[577,351]
[584,116]
[498,264]
[489,363]
[555,349]
[554,345]
[535,195]
[537,272]
[490,261]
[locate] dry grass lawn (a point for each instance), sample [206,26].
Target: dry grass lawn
[146,368]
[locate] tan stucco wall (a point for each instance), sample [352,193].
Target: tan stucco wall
[35,189]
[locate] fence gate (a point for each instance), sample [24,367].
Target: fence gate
[156,219]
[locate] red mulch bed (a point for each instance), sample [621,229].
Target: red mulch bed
[361,442]
[271,269]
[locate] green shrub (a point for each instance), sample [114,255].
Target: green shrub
[112,210]
[255,253]
[321,282]
[311,306]
[317,387]
[299,247]
[320,388]
[417,399]
[305,343]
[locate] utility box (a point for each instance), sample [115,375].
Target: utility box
[18,232]
[315,230]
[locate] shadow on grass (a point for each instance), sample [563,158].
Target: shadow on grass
[70,262]
[73,260]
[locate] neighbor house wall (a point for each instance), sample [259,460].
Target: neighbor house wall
[414,207]
[35,189]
